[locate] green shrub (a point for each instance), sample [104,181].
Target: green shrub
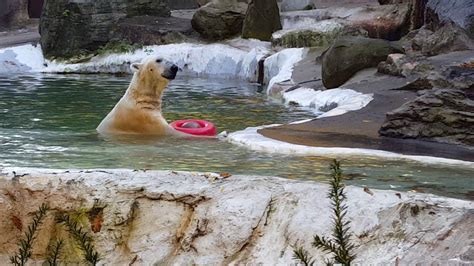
[340,246]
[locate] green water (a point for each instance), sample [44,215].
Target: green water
[49,121]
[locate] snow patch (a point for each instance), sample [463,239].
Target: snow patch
[251,139]
[279,66]
[324,26]
[21,59]
[343,100]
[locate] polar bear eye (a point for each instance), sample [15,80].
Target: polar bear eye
[159,60]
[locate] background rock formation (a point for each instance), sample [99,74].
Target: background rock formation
[13,13]
[261,20]
[444,115]
[220,19]
[69,27]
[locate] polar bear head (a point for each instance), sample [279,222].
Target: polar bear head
[154,70]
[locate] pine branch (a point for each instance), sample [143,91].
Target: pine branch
[82,238]
[340,247]
[299,253]
[324,244]
[55,253]
[26,244]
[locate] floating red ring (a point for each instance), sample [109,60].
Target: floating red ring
[206,128]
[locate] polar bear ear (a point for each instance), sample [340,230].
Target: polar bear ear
[135,67]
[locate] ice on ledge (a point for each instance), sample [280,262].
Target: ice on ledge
[221,60]
[250,138]
[279,66]
[342,100]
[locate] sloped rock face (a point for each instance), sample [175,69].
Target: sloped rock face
[417,8]
[444,115]
[350,54]
[73,27]
[460,12]
[220,19]
[447,38]
[261,20]
[156,217]
[148,30]
[389,22]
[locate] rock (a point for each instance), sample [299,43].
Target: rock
[417,8]
[391,25]
[13,13]
[183,4]
[460,12]
[444,115]
[220,19]
[158,217]
[393,65]
[292,5]
[202,2]
[69,27]
[320,34]
[389,22]
[447,38]
[261,20]
[148,30]
[350,54]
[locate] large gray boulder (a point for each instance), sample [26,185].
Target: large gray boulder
[443,115]
[261,20]
[220,19]
[70,27]
[350,54]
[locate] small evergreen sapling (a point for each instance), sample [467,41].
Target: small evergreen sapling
[26,244]
[340,246]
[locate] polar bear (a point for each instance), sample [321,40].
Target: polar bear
[139,110]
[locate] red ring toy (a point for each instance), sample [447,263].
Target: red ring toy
[205,128]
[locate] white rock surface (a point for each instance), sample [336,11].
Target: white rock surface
[157,217]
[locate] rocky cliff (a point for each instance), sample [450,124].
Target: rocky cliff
[69,28]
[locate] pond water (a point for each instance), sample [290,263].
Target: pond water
[49,121]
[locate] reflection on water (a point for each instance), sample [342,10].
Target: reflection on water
[49,121]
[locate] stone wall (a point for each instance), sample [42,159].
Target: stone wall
[72,27]
[13,13]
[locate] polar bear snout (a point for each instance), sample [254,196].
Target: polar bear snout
[170,72]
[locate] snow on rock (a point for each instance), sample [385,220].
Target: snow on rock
[279,66]
[179,218]
[251,139]
[194,59]
[238,59]
[328,102]
[323,26]
[22,58]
